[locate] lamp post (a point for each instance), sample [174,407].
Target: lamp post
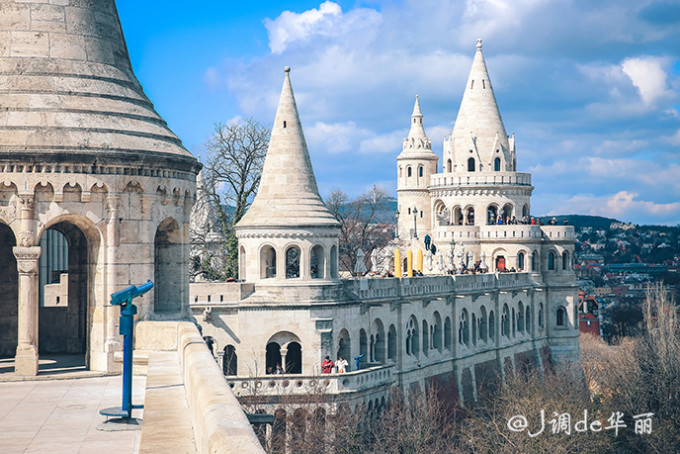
[396,228]
[415,222]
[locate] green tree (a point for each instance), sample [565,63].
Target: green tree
[236,153]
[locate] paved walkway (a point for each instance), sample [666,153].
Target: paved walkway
[61,416]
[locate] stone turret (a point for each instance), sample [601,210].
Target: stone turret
[479,142]
[288,233]
[84,157]
[415,164]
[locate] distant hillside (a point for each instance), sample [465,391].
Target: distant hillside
[582,220]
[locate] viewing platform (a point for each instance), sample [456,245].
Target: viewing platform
[442,180]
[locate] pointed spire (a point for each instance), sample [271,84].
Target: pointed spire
[479,114]
[288,194]
[417,131]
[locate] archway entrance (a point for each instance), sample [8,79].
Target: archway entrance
[500,263]
[9,293]
[63,294]
[168,267]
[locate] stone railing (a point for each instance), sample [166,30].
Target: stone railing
[559,232]
[306,385]
[510,232]
[480,179]
[491,281]
[381,288]
[207,293]
[457,232]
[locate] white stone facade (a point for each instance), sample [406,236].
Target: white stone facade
[460,333]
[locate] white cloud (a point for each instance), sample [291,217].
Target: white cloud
[211,78]
[335,137]
[391,142]
[326,21]
[649,77]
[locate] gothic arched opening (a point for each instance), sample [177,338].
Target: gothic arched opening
[9,289]
[273,357]
[317,264]
[292,262]
[267,262]
[230,361]
[63,294]
[168,267]
[294,358]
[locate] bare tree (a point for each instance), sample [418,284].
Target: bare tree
[360,228]
[232,175]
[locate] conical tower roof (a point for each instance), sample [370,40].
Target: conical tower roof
[478,116]
[288,195]
[417,145]
[68,91]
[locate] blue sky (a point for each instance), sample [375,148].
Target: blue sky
[590,89]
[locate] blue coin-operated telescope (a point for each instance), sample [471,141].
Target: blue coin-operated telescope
[358,360]
[128,311]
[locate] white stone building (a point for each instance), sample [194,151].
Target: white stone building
[83,157]
[460,333]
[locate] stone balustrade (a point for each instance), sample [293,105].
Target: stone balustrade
[208,293]
[481,179]
[296,385]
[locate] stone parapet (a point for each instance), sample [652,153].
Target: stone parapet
[442,180]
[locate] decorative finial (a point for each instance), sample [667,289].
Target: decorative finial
[286,69]
[479,43]
[416,96]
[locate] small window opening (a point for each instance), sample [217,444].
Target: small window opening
[483,84]
[472,84]
[284,123]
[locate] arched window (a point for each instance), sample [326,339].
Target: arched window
[420,171]
[482,324]
[561,316]
[449,166]
[447,333]
[464,329]
[363,348]
[267,262]
[317,262]
[426,338]
[412,338]
[492,326]
[437,332]
[294,358]
[520,318]
[230,361]
[344,346]
[334,262]
[497,164]
[471,164]
[540,315]
[470,218]
[505,321]
[242,263]
[525,211]
[514,323]
[528,320]
[273,357]
[533,261]
[565,260]
[378,334]
[292,262]
[551,261]
[392,343]
[520,261]
[474,329]
[491,214]
[408,171]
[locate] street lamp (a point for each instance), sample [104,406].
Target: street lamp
[415,222]
[396,228]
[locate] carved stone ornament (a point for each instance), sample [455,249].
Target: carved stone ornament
[27,259]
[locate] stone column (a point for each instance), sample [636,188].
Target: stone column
[112,343]
[284,352]
[26,360]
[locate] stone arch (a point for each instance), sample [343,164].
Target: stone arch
[378,345]
[294,358]
[565,261]
[447,333]
[474,329]
[441,213]
[534,262]
[9,288]
[363,348]
[492,326]
[412,337]
[540,315]
[551,261]
[426,338]
[65,318]
[437,332]
[520,317]
[168,267]
[162,195]
[317,262]
[409,171]
[268,261]
[392,343]
[242,263]
[505,321]
[482,324]
[278,436]
[72,192]
[344,345]
[334,262]
[514,322]
[278,347]
[457,215]
[298,430]
[521,259]
[43,192]
[230,361]
[464,328]
[527,321]
[469,215]
[525,210]
[497,164]
[471,164]
[292,256]
[561,316]
[449,165]
[491,214]
[506,212]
